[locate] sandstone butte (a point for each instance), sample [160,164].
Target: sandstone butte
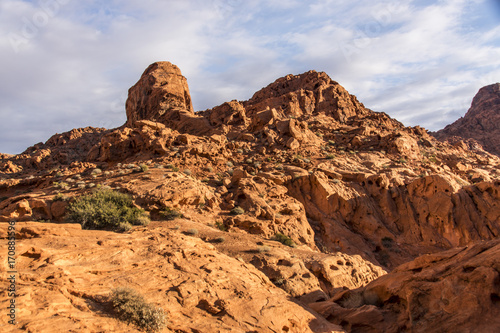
[395,231]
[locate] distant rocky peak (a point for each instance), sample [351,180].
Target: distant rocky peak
[481,122]
[487,97]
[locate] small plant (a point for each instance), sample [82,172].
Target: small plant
[219,240]
[105,209]
[192,232]
[130,306]
[175,169]
[144,167]
[330,156]
[96,172]
[263,249]
[352,300]
[402,160]
[278,282]
[61,185]
[285,240]
[387,242]
[237,211]
[221,226]
[170,214]
[59,197]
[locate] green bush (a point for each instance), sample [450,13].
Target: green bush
[131,307]
[221,226]
[285,240]
[144,167]
[170,214]
[105,209]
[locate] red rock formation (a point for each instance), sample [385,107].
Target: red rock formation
[452,291]
[351,187]
[481,122]
[160,90]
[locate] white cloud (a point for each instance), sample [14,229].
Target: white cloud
[417,61]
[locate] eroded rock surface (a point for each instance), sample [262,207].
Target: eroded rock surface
[452,291]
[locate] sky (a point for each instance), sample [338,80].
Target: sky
[66,64]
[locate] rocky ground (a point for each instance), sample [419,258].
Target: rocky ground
[357,192]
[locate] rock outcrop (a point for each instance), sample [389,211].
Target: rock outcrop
[353,192]
[161,90]
[481,122]
[65,276]
[452,291]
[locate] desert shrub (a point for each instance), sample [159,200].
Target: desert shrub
[143,167]
[219,240]
[192,232]
[330,156]
[130,306]
[284,239]
[96,171]
[352,300]
[237,211]
[221,226]
[278,282]
[170,214]
[387,242]
[105,209]
[263,249]
[58,197]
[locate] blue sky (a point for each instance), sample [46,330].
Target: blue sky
[69,63]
